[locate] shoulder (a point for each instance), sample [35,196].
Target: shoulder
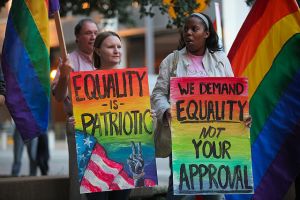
[74,60]
[73,56]
[170,57]
[167,60]
[220,55]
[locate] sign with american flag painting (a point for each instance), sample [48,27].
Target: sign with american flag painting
[113,130]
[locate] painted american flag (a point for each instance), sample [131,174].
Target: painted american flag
[96,172]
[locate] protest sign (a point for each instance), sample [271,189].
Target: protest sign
[113,129]
[210,142]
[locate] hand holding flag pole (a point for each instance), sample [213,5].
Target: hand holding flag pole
[65,67]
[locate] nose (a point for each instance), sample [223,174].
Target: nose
[94,35]
[116,50]
[188,32]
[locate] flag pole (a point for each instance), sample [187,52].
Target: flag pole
[62,44]
[60,35]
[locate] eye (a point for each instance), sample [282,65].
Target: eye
[185,29]
[195,28]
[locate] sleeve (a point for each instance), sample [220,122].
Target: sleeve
[227,65]
[228,68]
[59,86]
[161,92]
[55,81]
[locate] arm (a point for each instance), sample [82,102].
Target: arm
[59,85]
[228,68]
[161,92]
[136,164]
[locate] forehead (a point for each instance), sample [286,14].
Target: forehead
[193,20]
[88,26]
[111,40]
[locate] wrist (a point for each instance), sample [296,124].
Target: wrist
[138,176]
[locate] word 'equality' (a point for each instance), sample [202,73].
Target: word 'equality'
[101,86]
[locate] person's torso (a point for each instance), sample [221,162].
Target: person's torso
[213,64]
[79,63]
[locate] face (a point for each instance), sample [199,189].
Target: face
[110,52]
[195,35]
[86,37]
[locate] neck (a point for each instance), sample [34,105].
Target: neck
[88,56]
[200,52]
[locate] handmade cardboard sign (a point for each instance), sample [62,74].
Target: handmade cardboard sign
[210,142]
[113,130]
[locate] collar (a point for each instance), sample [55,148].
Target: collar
[185,58]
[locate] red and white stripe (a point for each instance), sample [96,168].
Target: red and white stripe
[100,172]
[122,181]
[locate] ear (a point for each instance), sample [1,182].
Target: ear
[207,34]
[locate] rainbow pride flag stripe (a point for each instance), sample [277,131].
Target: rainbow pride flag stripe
[26,65]
[267,51]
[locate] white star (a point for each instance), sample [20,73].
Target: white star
[82,157]
[87,141]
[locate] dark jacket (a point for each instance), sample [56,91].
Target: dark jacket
[2,83]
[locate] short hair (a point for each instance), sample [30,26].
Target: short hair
[98,41]
[79,25]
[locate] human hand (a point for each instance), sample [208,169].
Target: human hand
[248,121]
[152,113]
[71,121]
[2,99]
[65,67]
[136,164]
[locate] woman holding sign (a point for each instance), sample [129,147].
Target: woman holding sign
[198,55]
[106,55]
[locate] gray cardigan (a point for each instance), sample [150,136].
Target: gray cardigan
[175,65]
[215,64]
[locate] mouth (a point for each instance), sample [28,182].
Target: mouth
[188,41]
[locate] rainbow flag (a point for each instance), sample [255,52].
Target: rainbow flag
[26,65]
[267,51]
